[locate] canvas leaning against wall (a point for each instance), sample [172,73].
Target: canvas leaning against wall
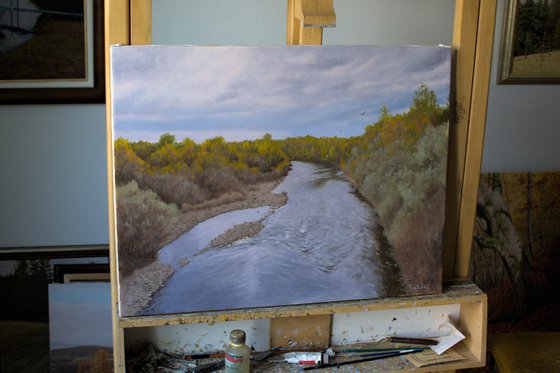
[267,176]
[80,325]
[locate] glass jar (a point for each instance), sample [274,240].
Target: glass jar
[237,353]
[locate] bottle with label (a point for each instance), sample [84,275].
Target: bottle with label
[237,354]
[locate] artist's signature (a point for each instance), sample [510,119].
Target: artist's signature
[420,286]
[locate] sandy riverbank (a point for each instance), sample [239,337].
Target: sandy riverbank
[137,289]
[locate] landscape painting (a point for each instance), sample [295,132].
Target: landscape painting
[80,325]
[516,247]
[270,176]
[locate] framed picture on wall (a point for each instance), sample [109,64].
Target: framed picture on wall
[51,52]
[34,252]
[67,273]
[530,50]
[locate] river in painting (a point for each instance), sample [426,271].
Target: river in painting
[320,246]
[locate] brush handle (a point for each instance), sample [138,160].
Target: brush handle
[357,361]
[417,341]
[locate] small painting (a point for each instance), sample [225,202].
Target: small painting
[25,276]
[270,176]
[80,324]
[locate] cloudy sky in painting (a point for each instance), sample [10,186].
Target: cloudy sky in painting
[244,92]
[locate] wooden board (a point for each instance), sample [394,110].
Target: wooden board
[464,48]
[453,294]
[116,32]
[475,136]
[312,331]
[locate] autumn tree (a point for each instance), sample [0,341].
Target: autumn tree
[384,113]
[128,165]
[165,139]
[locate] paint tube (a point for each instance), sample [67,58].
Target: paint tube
[305,358]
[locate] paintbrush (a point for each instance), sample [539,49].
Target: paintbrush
[415,341]
[357,361]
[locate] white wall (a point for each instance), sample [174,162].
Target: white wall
[53,183]
[523,121]
[250,22]
[245,22]
[392,22]
[52,158]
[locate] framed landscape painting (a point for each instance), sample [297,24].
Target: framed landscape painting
[530,51]
[250,177]
[51,51]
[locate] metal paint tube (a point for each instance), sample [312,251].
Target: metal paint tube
[305,358]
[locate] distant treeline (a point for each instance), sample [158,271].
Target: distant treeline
[398,165]
[27,290]
[538,27]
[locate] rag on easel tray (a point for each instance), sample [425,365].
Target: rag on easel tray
[270,176]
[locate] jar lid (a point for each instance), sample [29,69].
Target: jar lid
[237,336]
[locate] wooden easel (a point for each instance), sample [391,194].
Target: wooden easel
[129,22]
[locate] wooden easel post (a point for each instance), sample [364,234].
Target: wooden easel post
[117,31]
[306,19]
[475,133]
[473,38]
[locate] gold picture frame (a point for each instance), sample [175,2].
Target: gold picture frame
[530,54]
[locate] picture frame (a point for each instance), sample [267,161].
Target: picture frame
[81,83]
[530,55]
[48,252]
[68,273]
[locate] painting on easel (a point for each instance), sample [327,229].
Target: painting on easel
[269,176]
